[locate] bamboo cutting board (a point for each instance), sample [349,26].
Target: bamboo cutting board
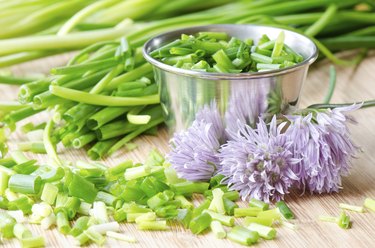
[353,84]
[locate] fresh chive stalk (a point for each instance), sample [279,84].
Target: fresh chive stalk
[242,235]
[345,206]
[265,232]
[285,210]
[218,229]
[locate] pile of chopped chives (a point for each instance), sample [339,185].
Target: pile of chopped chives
[88,201]
[217,52]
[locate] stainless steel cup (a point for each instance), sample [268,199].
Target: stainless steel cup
[243,95]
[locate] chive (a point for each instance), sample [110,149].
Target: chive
[200,223]
[21,232]
[95,236]
[33,242]
[186,188]
[153,225]
[232,195]
[262,221]
[279,43]
[270,214]
[218,229]
[251,211]
[358,209]
[81,239]
[370,204]
[259,204]
[150,216]
[217,203]
[25,184]
[265,232]
[4,177]
[120,236]
[104,227]
[229,206]
[62,223]
[81,188]
[185,204]
[84,208]
[344,221]
[48,221]
[285,210]
[7,224]
[225,220]
[99,212]
[242,235]
[259,58]
[184,216]
[203,206]
[22,203]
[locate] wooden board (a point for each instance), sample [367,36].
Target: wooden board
[352,85]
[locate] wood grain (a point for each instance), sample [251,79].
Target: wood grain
[352,85]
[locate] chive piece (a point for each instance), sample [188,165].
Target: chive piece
[99,212]
[263,221]
[265,232]
[243,235]
[62,222]
[358,209]
[200,223]
[204,205]
[49,193]
[7,223]
[232,195]
[217,203]
[259,204]
[95,237]
[370,204]
[21,232]
[184,216]
[80,226]
[153,225]
[285,210]
[48,221]
[33,242]
[25,184]
[259,58]
[103,228]
[81,188]
[122,237]
[225,220]
[251,211]
[187,188]
[4,178]
[150,216]
[184,202]
[229,206]
[270,214]
[81,239]
[344,221]
[218,229]
[279,44]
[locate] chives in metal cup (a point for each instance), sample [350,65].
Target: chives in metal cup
[240,95]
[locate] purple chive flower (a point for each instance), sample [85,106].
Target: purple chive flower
[324,147]
[248,101]
[257,162]
[194,152]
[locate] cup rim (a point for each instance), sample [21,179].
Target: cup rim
[222,76]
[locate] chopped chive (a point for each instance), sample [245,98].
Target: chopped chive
[200,223]
[7,224]
[229,206]
[358,209]
[122,237]
[279,44]
[25,184]
[285,210]
[95,237]
[150,216]
[99,212]
[259,204]
[104,227]
[80,225]
[225,220]
[62,222]
[217,203]
[265,232]
[251,211]
[21,232]
[153,225]
[232,195]
[242,235]
[187,188]
[263,221]
[49,193]
[4,177]
[370,204]
[204,205]
[218,229]
[81,239]
[48,221]
[184,202]
[344,220]
[33,242]
[184,216]
[270,214]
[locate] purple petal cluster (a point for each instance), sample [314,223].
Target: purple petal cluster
[324,147]
[194,152]
[248,101]
[257,162]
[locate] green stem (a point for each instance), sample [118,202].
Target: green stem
[323,21]
[332,84]
[365,104]
[102,100]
